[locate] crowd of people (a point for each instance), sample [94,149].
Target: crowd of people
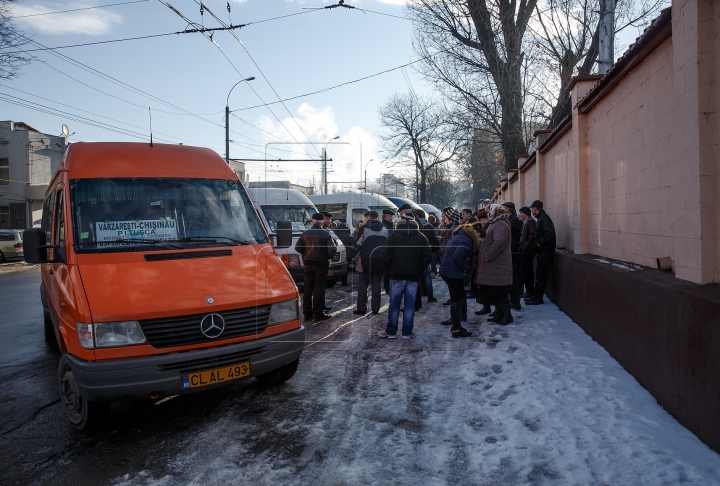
[497,256]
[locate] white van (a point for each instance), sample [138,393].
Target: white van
[350,207]
[275,205]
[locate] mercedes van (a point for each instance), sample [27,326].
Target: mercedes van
[350,207]
[275,205]
[158,278]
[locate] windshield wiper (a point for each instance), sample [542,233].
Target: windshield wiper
[212,239]
[131,241]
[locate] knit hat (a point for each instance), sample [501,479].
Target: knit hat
[482,215]
[318,217]
[537,204]
[453,214]
[526,210]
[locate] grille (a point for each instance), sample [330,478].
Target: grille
[210,362]
[336,257]
[161,257]
[167,332]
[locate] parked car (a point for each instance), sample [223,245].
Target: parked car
[158,278]
[275,205]
[11,244]
[429,208]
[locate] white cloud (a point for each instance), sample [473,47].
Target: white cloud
[90,22]
[320,127]
[394,2]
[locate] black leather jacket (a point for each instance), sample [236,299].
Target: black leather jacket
[516,228]
[544,238]
[316,246]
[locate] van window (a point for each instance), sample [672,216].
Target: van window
[338,210]
[300,216]
[358,215]
[46,223]
[148,213]
[59,218]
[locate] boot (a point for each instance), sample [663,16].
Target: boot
[457,330]
[499,312]
[507,315]
[485,310]
[431,299]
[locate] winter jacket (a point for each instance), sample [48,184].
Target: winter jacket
[430,233]
[526,239]
[407,252]
[516,230]
[495,256]
[456,259]
[369,247]
[446,237]
[544,239]
[388,225]
[316,246]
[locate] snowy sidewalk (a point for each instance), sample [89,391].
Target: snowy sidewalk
[535,402]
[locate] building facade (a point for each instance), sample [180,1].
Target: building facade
[28,159]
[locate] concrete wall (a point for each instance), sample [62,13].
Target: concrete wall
[636,176]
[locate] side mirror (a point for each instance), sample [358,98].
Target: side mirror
[34,245]
[284,233]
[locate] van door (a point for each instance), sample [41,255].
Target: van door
[57,272]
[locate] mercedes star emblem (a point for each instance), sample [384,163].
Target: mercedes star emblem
[209,300]
[212,325]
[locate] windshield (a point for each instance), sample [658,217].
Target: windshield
[120,214]
[300,216]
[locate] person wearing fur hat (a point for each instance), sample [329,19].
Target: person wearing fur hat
[495,275]
[453,266]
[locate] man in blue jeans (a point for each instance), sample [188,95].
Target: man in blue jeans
[406,256]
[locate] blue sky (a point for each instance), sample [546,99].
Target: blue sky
[299,54]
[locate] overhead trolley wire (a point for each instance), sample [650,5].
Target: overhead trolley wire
[77,9]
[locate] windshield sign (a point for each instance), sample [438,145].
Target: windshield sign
[167,213]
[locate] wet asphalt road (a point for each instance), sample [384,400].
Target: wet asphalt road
[39,447]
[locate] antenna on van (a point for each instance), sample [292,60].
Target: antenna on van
[150,113]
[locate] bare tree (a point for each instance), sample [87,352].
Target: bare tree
[566,33]
[415,134]
[10,42]
[482,58]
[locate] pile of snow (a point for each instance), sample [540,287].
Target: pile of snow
[535,402]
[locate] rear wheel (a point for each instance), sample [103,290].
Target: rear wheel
[280,375]
[81,413]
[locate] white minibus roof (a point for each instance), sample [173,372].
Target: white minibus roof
[278,197]
[356,198]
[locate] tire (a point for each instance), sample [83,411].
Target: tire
[81,413]
[278,376]
[331,283]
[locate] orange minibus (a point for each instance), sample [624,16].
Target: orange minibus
[158,278]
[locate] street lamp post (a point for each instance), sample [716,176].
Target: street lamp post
[365,183]
[227,120]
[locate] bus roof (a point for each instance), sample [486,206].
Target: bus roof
[129,159]
[359,198]
[278,197]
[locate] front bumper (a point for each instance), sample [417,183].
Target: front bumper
[339,271]
[140,377]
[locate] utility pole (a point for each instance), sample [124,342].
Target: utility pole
[606,54]
[324,171]
[227,134]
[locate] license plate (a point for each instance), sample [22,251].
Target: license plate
[330,272]
[218,375]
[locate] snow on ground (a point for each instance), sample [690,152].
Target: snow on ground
[535,402]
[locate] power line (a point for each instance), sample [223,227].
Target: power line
[77,9]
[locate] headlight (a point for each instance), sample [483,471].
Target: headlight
[111,334]
[284,312]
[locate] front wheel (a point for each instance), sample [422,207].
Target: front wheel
[280,375]
[81,413]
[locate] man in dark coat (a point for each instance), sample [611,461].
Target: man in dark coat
[527,254]
[387,221]
[368,263]
[406,256]
[544,242]
[317,248]
[516,227]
